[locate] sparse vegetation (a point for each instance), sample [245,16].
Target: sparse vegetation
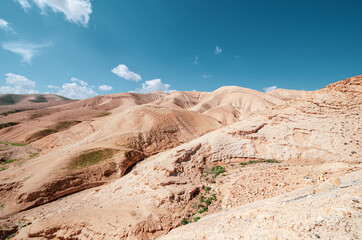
[36,115]
[60,126]
[243,164]
[185,221]
[39,99]
[14,144]
[13,111]
[2,205]
[104,114]
[201,205]
[10,99]
[196,219]
[11,161]
[215,171]
[41,134]
[91,157]
[33,155]
[272,161]
[3,169]
[8,124]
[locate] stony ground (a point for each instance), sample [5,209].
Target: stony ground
[331,210]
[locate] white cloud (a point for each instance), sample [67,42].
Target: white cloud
[105,87]
[78,89]
[206,76]
[268,89]
[53,87]
[152,86]
[26,50]
[122,71]
[24,4]
[5,25]
[218,50]
[196,60]
[18,84]
[76,11]
[81,82]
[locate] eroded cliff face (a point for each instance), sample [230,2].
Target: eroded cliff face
[302,143]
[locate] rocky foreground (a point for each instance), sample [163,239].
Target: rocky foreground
[291,170]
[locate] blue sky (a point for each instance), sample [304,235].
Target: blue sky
[82,48]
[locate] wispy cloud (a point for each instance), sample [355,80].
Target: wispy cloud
[5,25]
[24,4]
[105,87]
[77,89]
[269,89]
[122,71]
[196,60]
[26,50]
[152,86]
[218,50]
[77,11]
[206,76]
[17,84]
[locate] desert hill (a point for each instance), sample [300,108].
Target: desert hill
[12,103]
[274,143]
[126,127]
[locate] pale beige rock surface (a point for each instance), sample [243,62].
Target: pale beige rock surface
[315,139]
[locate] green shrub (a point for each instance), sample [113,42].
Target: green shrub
[8,124]
[203,209]
[217,170]
[185,221]
[196,219]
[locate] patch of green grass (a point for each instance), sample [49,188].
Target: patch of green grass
[217,170]
[14,144]
[40,134]
[3,169]
[104,114]
[91,157]
[243,164]
[8,124]
[33,155]
[196,219]
[11,161]
[207,189]
[60,126]
[272,161]
[2,205]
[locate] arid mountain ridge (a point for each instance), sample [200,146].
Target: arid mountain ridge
[178,140]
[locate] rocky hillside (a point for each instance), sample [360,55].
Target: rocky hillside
[192,166]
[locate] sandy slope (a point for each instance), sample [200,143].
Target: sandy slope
[316,138]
